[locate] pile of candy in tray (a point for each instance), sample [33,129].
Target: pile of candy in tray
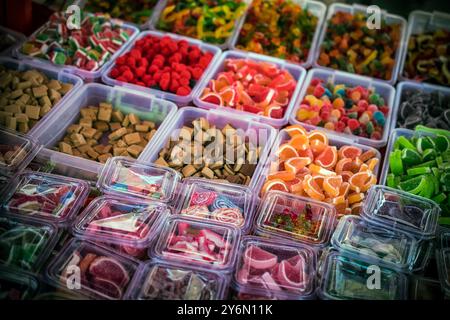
[243,150]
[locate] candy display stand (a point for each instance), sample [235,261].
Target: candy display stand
[297,72]
[318,9]
[53,73]
[179,100]
[339,77]
[126,100]
[390,19]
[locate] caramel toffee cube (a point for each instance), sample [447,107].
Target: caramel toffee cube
[121,144]
[33,112]
[83,148]
[104,157]
[117,116]
[160,161]
[117,134]
[88,113]
[88,132]
[74,128]
[23,127]
[134,119]
[104,113]
[188,170]
[54,95]
[65,87]
[13,108]
[17,93]
[54,84]
[142,128]
[40,91]
[92,153]
[11,123]
[132,138]
[113,126]
[65,148]
[118,151]
[126,121]
[98,135]
[21,118]
[77,139]
[86,122]
[101,126]
[135,150]
[150,124]
[207,173]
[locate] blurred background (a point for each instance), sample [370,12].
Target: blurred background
[27,15]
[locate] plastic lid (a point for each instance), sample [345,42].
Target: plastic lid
[16,285]
[421,288]
[229,204]
[295,218]
[92,271]
[197,243]
[25,243]
[46,196]
[120,221]
[268,266]
[129,177]
[160,281]
[395,208]
[16,151]
[345,278]
[370,242]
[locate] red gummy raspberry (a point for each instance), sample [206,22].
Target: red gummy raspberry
[135,53]
[164,83]
[114,73]
[353,124]
[131,62]
[128,75]
[140,72]
[196,73]
[340,126]
[183,91]
[174,85]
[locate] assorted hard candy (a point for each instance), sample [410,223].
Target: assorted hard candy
[210,21]
[257,87]
[162,63]
[427,57]
[349,45]
[278,28]
[87,48]
[431,109]
[353,110]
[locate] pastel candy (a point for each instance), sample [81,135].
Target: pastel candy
[205,198]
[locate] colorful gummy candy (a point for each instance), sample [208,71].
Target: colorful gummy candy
[162,64]
[350,46]
[427,57]
[256,87]
[176,283]
[421,165]
[103,274]
[136,11]
[214,206]
[22,244]
[352,110]
[212,21]
[197,243]
[267,267]
[46,195]
[307,165]
[431,109]
[278,28]
[88,48]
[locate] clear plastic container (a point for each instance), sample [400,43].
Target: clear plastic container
[163,281]
[421,288]
[122,221]
[88,76]
[216,201]
[26,242]
[15,285]
[83,3]
[283,137]
[364,241]
[407,86]
[152,24]
[46,196]
[339,77]
[344,278]
[317,8]
[262,134]
[17,151]
[92,271]
[443,259]
[421,22]
[243,293]
[15,36]
[179,100]
[272,267]
[130,178]
[310,222]
[128,101]
[206,245]
[401,210]
[356,8]
[52,73]
[297,72]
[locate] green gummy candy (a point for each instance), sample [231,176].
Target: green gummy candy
[414,185]
[405,143]
[418,171]
[442,143]
[395,162]
[411,157]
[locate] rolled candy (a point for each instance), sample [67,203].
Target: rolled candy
[228,215]
[222,202]
[196,211]
[203,198]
